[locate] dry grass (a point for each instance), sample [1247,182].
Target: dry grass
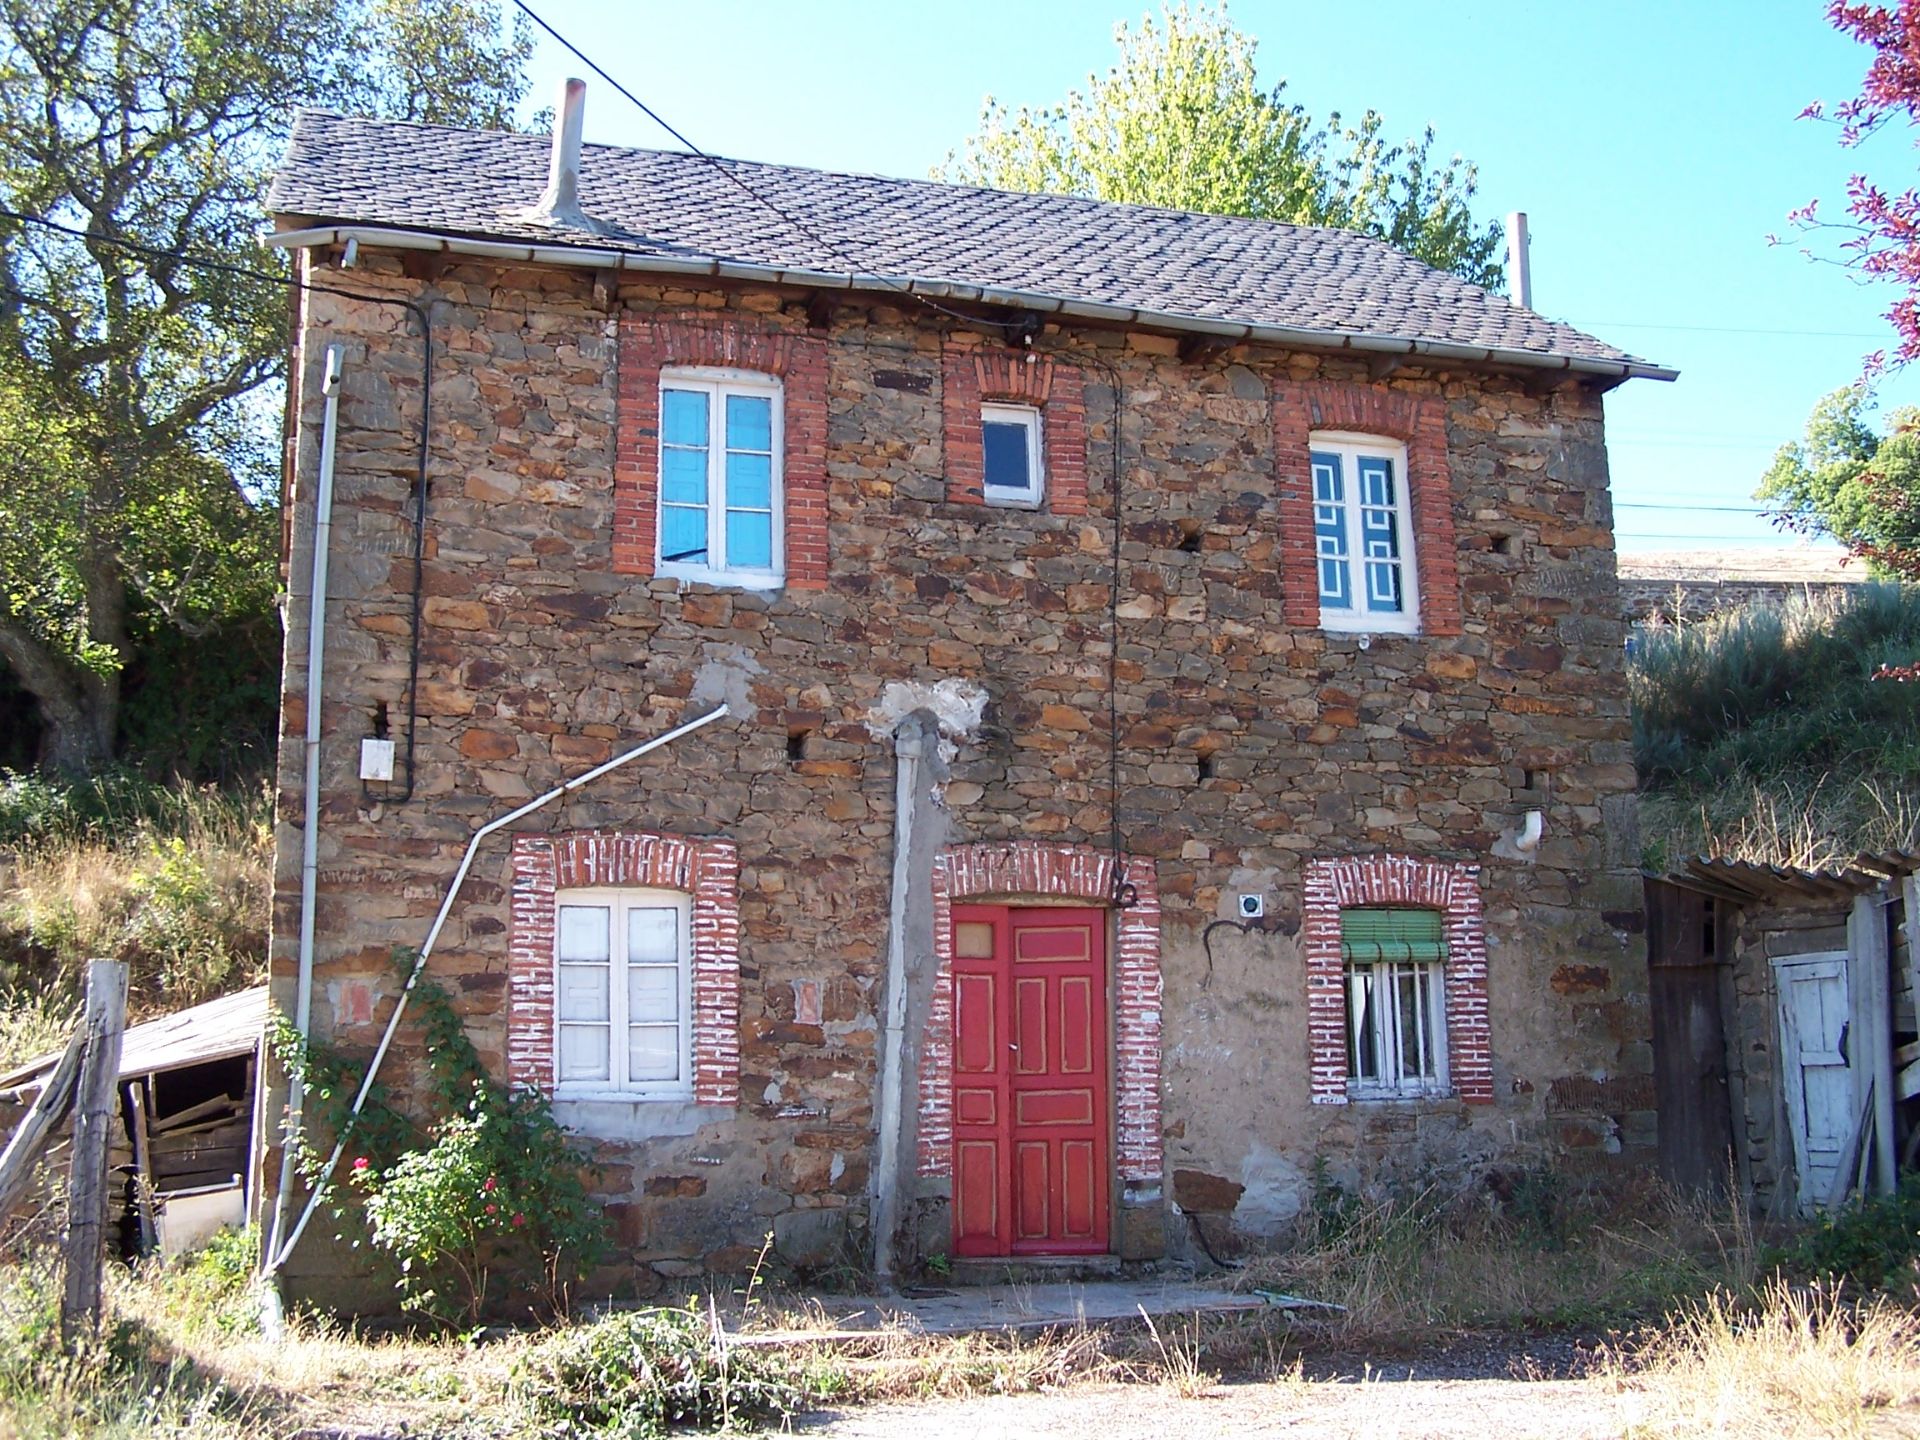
[1800,1364]
[1814,824]
[184,897]
[1402,1267]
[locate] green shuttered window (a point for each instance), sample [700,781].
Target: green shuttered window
[1396,1001]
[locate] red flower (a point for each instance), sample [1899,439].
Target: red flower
[519,1219]
[492,1208]
[487,1184]
[360,1163]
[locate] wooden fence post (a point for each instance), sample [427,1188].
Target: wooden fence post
[99,1094]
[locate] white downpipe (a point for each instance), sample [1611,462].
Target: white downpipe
[909,749]
[277,1256]
[310,829]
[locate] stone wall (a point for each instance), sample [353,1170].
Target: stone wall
[1249,743]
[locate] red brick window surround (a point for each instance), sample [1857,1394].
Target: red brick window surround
[1417,421]
[708,871]
[971,378]
[1387,880]
[1059,873]
[652,343]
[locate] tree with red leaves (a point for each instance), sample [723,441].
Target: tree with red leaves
[1883,236]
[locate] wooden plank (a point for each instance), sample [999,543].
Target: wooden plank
[98,1098]
[220,1107]
[1844,1174]
[143,1171]
[1871,1003]
[50,1109]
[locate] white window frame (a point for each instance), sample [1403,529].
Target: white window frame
[617,1087]
[1027,416]
[1431,994]
[718,383]
[1351,446]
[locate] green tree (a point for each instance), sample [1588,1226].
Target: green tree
[138,446]
[1845,480]
[1181,121]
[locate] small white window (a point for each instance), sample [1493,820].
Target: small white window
[1363,534]
[1012,470]
[1396,1002]
[623,1022]
[721,514]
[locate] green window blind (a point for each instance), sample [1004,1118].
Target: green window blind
[1368,936]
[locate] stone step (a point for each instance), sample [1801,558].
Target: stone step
[1033,1269]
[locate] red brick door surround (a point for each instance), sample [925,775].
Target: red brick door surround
[706,870]
[1331,886]
[1061,874]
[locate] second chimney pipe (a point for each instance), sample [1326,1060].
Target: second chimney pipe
[1519,269]
[561,202]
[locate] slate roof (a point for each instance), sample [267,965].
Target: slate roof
[669,210]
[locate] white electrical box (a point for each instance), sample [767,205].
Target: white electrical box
[1252,907]
[376,759]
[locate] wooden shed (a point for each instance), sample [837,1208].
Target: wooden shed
[189,1095]
[1786,1048]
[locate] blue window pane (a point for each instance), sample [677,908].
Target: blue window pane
[683,417]
[1005,456]
[750,481]
[1376,481]
[683,477]
[683,534]
[749,422]
[1383,587]
[750,539]
[1330,532]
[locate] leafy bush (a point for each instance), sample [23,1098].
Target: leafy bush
[487,1197]
[636,1374]
[1871,1243]
[497,1187]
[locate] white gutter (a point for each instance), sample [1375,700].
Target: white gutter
[310,827]
[276,1255]
[600,258]
[909,750]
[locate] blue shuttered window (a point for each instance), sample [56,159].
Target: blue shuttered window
[1396,1001]
[1362,535]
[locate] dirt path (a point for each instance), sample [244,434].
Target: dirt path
[1310,1410]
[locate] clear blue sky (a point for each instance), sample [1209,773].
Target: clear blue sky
[1654,146]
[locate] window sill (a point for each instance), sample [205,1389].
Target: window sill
[1359,1096]
[1014,502]
[633,1118]
[1368,627]
[720,579]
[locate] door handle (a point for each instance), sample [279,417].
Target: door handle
[1845,1026]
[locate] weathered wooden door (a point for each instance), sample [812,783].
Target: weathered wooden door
[1030,1087]
[1813,1067]
[1689,1038]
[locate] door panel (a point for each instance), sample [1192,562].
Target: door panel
[1030,1080]
[1818,1081]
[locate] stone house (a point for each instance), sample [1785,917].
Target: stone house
[1175,741]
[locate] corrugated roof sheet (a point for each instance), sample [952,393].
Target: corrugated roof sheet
[672,207]
[1747,881]
[217,1030]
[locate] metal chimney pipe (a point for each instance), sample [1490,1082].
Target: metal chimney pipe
[1519,269]
[560,202]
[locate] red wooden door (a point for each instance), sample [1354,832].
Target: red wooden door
[1030,1100]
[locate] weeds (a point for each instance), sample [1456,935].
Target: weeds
[1181,1370]
[1798,1364]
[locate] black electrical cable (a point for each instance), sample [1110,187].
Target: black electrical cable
[423,314]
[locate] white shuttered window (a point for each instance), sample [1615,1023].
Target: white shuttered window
[623,994]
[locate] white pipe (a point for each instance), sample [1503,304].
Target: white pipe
[310,826]
[561,200]
[278,1256]
[909,749]
[600,258]
[1519,261]
[1531,829]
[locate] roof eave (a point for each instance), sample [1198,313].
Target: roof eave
[597,258]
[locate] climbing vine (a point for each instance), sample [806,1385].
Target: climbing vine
[483,1196]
